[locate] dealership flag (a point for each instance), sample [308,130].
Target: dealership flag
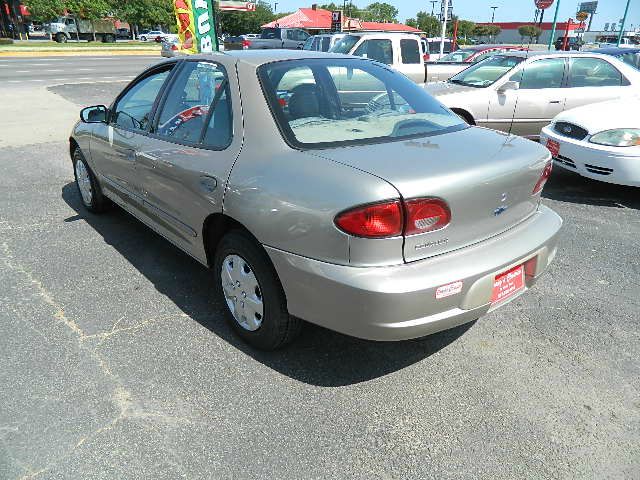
[196,25]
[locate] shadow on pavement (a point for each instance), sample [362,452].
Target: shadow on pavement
[318,357]
[566,186]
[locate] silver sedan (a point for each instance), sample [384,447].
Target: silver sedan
[521,92]
[321,187]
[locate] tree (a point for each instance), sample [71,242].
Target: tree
[481,31]
[238,23]
[380,12]
[530,31]
[428,24]
[493,31]
[145,12]
[45,10]
[466,28]
[412,22]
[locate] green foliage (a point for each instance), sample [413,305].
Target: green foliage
[237,23]
[145,12]
[494,30]
[380,12]
[45,10]
[466,28]
[427,23]
[530,31]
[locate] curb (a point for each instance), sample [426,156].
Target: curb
[76,53]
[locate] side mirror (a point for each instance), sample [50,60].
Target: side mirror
[95,114]
[510,85]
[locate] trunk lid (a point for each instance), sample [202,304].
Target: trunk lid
[485,177]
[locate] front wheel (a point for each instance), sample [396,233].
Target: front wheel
[88,186]
[249,288]
[61,38]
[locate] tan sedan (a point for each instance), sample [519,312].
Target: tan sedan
[520,92]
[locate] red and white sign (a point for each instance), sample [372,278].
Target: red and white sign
[449,289]
[238,6]
[507,284]
[553,147]
[544,4]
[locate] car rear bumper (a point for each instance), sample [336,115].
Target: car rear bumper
[607,164]
[399,302]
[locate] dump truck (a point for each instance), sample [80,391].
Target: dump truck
[73,28]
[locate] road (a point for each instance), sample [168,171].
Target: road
[116,362]
[18,71]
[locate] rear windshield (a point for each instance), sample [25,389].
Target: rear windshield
[270,33]
[434,47]
[345,44]
[486,72]
[458,56]
[321,103]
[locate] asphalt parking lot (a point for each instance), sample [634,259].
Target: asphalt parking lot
[115,360]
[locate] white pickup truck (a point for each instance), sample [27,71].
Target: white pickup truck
[403,52]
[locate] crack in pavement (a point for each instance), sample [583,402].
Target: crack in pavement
[121,396]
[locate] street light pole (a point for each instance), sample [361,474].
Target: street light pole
[433,5]
[553,29]
[624,20]
[493,14]
[445,14]
[275,7]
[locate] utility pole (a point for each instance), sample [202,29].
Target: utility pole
[433,5]
[275,7]
[624,20]
[445,15]
[553,28]
[493,14]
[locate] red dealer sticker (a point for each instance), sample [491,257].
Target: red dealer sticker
[508,284]
[553,147]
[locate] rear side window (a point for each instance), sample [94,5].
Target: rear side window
[326,44]
[594,72]
[434,47]
[545,73]
[378,50]
[197,108]
[270,33]
[410,51]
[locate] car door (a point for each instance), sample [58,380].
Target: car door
[113,144]
[186,159]
[540,97]
[411,59]
[593,80]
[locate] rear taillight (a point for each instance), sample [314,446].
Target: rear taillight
[394,218]
[174,47]
[426,215]
[426,57]
[372,221]
[546,173]
[246,44]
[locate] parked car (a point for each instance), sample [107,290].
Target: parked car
[431,47]
[572,43]
[599,141]
[520,92]
[317,199]
[457,61]
[630,56]
[150,35]
[401,51]
[270,38]
[323,43]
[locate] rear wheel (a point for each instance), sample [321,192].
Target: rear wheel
[61,38]
[88,186]
[249,288]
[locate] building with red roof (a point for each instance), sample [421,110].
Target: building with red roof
[317,20]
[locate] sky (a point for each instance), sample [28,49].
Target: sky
[609,11]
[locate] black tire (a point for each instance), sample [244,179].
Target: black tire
[278,328]
[99,203]
[61,38]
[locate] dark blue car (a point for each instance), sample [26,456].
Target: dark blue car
[630,56]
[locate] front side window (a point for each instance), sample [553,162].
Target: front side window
[199,96]
[594,72]
[545,73]
[320,103]
[308,45]
[487,72]
[133,110]
[378,50]
[410,51]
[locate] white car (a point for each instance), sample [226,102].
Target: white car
[599,141]
[152,35]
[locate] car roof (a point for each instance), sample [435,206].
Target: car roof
[614,50]
[260,57]
[548,53]
[489,47]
